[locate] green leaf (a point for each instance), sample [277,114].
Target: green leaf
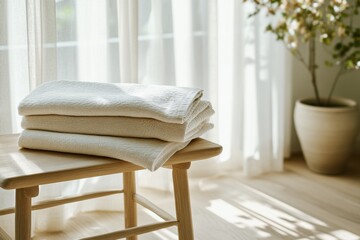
[338,46]
[329,63]
[349,65]
[269,28]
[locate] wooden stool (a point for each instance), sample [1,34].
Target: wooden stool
[24,170]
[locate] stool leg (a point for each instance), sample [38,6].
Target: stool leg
[129,202]
[182,201]
[23,212]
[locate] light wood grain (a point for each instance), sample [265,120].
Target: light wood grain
[128,233]
[25,168]
[182,201]
[130,209]
[270,207]
[152,207]
[4,235]
[64,200]
[23,212]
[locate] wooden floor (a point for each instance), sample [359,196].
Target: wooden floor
[296,204]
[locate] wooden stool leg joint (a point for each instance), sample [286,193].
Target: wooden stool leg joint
[23,212]
[129,201]
[182,201]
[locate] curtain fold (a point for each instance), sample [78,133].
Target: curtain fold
[41,41]
[182,17]
[154,73]
[210,44]
[266,109]
[128,40]
[91,41]
[35,42]
[14,83]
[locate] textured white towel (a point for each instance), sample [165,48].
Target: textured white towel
[148,153]
[124,126]
[165,103]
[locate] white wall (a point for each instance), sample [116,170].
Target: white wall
[348,86]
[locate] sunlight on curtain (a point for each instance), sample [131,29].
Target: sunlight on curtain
[265,99]
[229,92]
[183,42]
[153,36]
[128,40]
[91,41]
[209,44]
[14,61]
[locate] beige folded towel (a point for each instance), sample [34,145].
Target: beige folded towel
[121,121]
[148,153]
[124,126]
[165,103]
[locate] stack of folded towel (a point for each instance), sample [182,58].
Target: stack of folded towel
[142,124]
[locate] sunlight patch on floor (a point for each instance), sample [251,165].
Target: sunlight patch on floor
[164,234]
[285,207]
[237,217]
[269,217]
[265,219]
[334,235]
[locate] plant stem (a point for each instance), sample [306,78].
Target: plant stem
[312,68]
[341,70]
[300,58]
[334,84]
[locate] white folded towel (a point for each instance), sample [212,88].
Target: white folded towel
[124,126]
[165,103]
[148,153]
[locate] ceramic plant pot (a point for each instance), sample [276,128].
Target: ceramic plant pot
[327,134]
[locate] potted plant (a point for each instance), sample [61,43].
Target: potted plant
[327,127]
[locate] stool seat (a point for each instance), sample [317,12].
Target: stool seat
[24,170]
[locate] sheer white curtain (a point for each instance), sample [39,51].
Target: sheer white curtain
[210,44]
